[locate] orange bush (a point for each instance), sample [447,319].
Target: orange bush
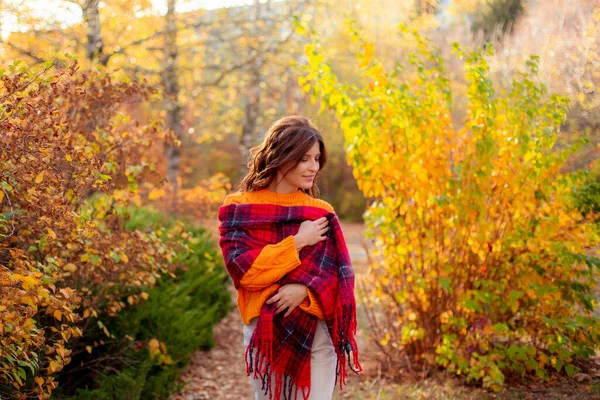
[69,157]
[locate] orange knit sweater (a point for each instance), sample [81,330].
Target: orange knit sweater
[274,260]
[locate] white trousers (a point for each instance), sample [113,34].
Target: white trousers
[322,364]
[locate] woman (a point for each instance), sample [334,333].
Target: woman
[286,254]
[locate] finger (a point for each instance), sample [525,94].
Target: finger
[280,308]
[322,238]
[322,220]
[274,298]
[290,309]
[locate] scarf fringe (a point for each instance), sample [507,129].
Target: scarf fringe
[344,333]
[276,384]
[258,365]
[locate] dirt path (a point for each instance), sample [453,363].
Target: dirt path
[220,373]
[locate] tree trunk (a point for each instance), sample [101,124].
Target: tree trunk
[171,103]
[91,16]
[249,128]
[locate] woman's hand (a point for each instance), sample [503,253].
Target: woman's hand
[289,296]
[311,232]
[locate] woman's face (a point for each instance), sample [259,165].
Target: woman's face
[301,177]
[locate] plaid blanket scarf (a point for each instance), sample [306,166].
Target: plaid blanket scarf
[280,347]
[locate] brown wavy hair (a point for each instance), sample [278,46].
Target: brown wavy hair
[286,141]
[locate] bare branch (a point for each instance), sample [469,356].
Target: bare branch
[223,74]
[270,50]
[121,49]
[137,68]
[24,52]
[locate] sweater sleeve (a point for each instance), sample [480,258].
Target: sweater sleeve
[312,306]
[271,264]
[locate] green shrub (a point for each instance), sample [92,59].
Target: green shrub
[587,198]
[155,340]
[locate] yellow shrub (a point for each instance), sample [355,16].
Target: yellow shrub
[480,261]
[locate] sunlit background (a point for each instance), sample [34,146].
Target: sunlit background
[125,123]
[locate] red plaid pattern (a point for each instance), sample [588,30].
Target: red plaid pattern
[279,350]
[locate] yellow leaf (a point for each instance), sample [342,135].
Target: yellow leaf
[144,295]
[40,177]
[1,196]
[57,314]
[66,335]
[29,282]
[68,157]
[156,194]
[53,367]
[153,343]
[368,55]
[167,360]
[137,200]
[39,380]
[120,194]
[308,49]
[386,339]
[29,324]
[334,99]
[51,233]
[89,349]
[154,347]
[70,267]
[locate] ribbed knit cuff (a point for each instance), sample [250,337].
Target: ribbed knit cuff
[290,257]
[312,306]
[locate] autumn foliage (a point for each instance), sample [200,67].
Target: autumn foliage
[480,263]
[69,155]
